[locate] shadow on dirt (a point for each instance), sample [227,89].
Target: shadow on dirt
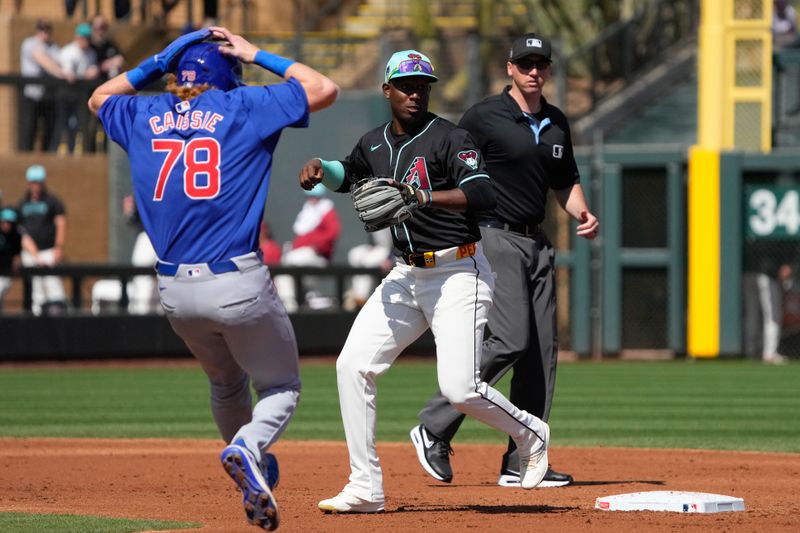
[484,509]
[618,482]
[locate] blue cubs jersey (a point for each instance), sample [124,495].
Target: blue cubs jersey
[201,168]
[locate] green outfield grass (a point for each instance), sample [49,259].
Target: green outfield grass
[736,405]
[26,523]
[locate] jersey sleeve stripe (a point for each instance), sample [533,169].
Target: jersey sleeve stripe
[476,176]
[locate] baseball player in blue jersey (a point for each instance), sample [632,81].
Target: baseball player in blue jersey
[200,158]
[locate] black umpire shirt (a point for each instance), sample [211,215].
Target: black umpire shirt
[440,156]
[506,137]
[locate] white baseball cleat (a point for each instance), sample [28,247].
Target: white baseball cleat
[533,459]
[348,503]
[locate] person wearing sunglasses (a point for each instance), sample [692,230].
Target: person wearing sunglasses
[441,279]
[526,144]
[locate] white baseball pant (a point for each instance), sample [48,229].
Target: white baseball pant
[44,288]
[453,299]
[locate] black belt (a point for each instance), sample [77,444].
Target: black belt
[428,259]
[220,267]
[524,229]
[422,260]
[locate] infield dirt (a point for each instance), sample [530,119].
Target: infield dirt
[182,480]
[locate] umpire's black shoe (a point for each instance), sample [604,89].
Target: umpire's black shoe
[433,454]
[509,474]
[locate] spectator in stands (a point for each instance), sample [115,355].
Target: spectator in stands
[109,55]
[141,290]
[43,217]
[766,283]
[316,231]
[784,23]
[79,62]
[166,6]
[37,110]
[12,240]
[122,8]
[110,62]
[376,253]
[270,249]
[210,11]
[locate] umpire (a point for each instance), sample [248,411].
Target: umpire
[527,148]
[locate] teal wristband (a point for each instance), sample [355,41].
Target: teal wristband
[333,174]
[273,63]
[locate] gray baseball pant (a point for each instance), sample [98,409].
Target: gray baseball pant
[236,326]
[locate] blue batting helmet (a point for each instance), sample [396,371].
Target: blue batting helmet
[203,63]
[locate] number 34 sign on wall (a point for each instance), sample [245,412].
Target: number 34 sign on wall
[772,212]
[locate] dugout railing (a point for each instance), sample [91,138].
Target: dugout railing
[80,276]
[78,333]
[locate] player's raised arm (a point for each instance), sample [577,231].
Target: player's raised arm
[146,72]
[320,90]
[116,85]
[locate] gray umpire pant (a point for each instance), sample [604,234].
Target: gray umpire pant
[522,326]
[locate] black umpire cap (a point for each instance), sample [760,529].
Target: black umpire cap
[529,44]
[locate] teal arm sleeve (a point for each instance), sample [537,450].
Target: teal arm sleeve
[333,174]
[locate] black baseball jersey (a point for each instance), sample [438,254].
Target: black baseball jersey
[440,156]
[38,218]
[104,51]
[507,137]
[10,247]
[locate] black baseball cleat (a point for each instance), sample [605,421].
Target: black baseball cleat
[433,454]
[509,474]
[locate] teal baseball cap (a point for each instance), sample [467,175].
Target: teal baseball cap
[409,63]
[84,29]
[8,215]
[35,173]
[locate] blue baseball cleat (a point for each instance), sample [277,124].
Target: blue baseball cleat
[259,503]
[270,470]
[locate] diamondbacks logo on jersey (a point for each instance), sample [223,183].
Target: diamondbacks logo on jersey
[470,158]
[558,151]
[417,174]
